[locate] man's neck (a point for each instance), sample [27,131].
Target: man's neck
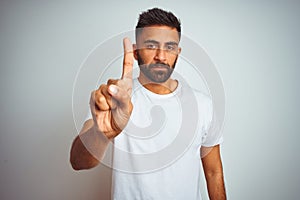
[159,88]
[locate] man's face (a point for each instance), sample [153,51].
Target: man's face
[157,52]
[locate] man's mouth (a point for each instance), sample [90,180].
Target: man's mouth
[159,66]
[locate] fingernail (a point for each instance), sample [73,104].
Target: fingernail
[113,89]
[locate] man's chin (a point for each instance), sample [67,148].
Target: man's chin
[157,74]
[159,78]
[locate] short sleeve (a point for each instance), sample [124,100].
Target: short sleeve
[212,134]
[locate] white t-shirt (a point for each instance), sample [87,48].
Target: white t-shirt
[157,156]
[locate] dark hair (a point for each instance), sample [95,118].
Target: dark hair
[157,16]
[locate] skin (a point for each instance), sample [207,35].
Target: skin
[111,105]
[111,108]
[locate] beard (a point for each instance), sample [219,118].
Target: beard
[157,72]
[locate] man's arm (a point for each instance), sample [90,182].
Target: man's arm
[213,170]
[111,109]
[88,147]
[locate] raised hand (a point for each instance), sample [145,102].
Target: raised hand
[110,104]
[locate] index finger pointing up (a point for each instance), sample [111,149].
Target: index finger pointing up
[128,59]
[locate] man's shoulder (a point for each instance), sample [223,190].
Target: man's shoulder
[201,96]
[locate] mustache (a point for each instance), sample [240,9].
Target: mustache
[159,64]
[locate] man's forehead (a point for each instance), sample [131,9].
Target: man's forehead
[159,34]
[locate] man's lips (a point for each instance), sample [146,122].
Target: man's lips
[159,66]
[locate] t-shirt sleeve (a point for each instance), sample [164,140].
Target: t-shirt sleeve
[212,134]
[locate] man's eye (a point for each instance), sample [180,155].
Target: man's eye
[151,46]
[171,47]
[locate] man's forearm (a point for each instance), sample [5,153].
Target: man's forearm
[216,187]
[88,149]
[213,170]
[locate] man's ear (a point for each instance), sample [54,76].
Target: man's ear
[135,51]
[179,50]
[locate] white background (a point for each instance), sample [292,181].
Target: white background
[254,44]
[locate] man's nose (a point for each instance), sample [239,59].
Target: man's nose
[160,54]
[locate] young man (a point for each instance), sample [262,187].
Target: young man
[157,167]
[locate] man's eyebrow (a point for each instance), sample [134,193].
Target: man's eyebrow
[151,41]
[156,42]
[171,43]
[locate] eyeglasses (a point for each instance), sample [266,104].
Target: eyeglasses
[169,47]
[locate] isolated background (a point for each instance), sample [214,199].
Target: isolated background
[255,46]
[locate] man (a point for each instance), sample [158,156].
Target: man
[119,104]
